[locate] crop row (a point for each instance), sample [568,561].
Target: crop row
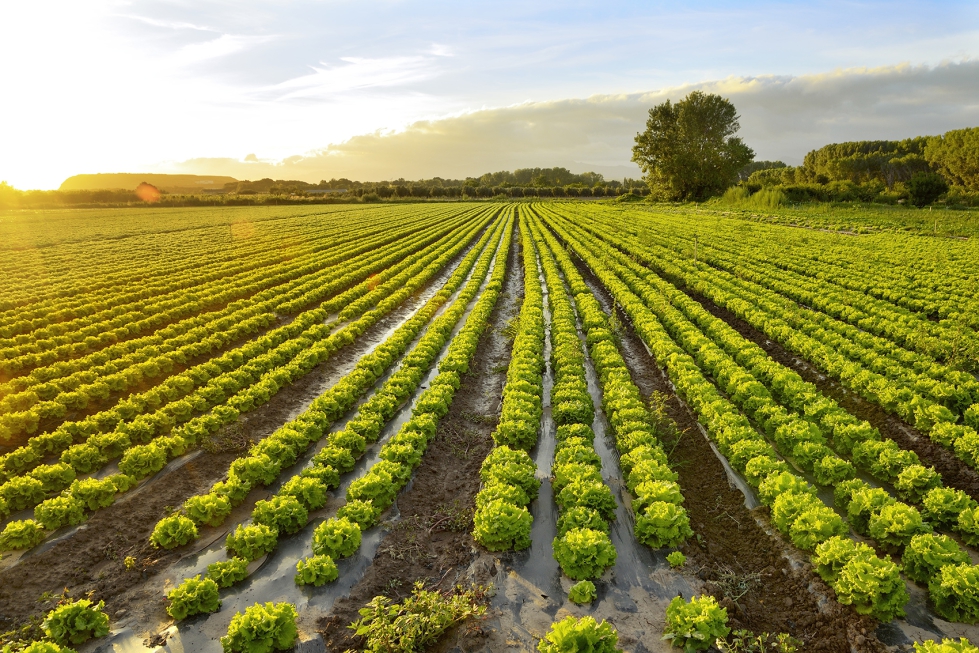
[871,510]
[370,495]
[268,377]
[916,403]
[661,520]
[502,520]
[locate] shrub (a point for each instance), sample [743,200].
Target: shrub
[583,592]
[173,531]
[955,593]
[417,622]
[251,542]
[695,625]
[193,596]
[662,525]
[584,553]
[927,553]
[499,526]
[585,634]
[283,513]
[59,511]
[676,559]
[24,534]
[228,572]
[262,628]
[337,538]
[316,570]
[209,509]
[76,622]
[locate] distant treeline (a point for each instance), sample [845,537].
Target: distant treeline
[521,183]
[875,171]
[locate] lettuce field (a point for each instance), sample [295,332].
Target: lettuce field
[218,417]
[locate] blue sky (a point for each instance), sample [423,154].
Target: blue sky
[113,86]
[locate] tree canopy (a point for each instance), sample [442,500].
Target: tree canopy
[689,150]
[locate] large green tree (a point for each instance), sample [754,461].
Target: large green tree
[689,150]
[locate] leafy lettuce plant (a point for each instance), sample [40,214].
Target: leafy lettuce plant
[363,513]
[945,646]
[585,634]
[76,622]
[584,553]
[316,570]
[927,553]
[251,542]
[337,538]
[955,592]
[283,513]
[583,592]
[696,625]
[499,525]
[228,572]
[896,524]
[173,531]
[814,526]
[209,509]
[663,525]
[193,596]
[21,534]
[262,628]
[59,511]
[872,586]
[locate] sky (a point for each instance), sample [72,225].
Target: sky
[380,90]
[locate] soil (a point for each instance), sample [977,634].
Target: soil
[765,584]
[432,542]
[955,473]
[90,560]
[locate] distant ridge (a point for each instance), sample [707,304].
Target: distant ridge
[186,184]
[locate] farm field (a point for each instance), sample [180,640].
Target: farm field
[527,396]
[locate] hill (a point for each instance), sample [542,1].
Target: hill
[129,181]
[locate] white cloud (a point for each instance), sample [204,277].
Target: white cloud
[782,117]
[357,73]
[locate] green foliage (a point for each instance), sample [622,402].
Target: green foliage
[262,628]
[584,553]
[696,625]
[945,646]
[573,635]
[872,586]
[59,511]
[228,572]
[362,513]
[23,534]
[337,538]
[663,525]
[588,494]
[676,559]
[316,570]
[580,517]
[583,592]
[942,505]
[416,623]
[896,524]
[499,526]
[92,492]
[76,622]
[22,492]
[955,592]
[173,531]
[915,481]
[143,460]
[689,151]
[283,513]
[926,187]
[193,596]
[745,641]
[251,542]
[814,526]
[209,509]
[927,553]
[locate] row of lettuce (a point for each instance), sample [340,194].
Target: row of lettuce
[144,445]
[725,379]
[373,492]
